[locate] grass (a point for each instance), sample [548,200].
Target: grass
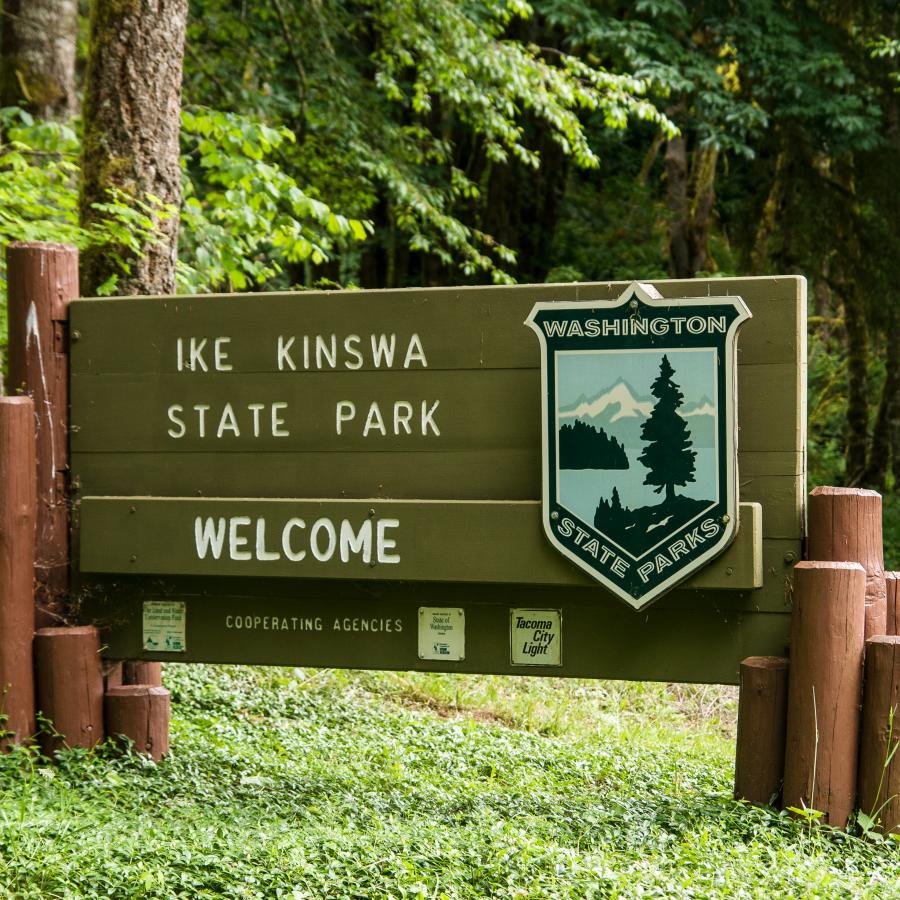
[309,783]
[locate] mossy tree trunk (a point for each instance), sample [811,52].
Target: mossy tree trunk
[690,197]
[37,57]
[132,111]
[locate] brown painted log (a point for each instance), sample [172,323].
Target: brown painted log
[845,526]
[140,712]
[892,583]
[70,686]
[762,719]
[113,675]
[879,773]
[138,672]
[42,279]
[825,690]
[18,511]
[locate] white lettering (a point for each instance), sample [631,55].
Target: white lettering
[235,540]
[261,553]
[374,420]
[209,535]
[284,354]
[318,527]
[385,543]
[415,351]
[360,542]
[221,355]
[173,412]
[289,552]
[351,347]
[383,350]
[344,412]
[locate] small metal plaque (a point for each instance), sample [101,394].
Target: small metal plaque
[442,633]
[535,637]
[164,629]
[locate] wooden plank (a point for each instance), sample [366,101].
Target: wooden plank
[131,413]
[468,541]
[598,640]
[783,499]
[453,410]
[460,475]
[477,327]
[503,474]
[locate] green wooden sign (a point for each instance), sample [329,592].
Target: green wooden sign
[356,479]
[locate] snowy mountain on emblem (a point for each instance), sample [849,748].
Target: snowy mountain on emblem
[620,411]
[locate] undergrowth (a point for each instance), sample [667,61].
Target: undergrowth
[314,783]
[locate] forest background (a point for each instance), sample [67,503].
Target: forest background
[393,143]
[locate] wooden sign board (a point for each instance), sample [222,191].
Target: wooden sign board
[355,478]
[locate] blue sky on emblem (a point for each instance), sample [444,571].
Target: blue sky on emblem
[611,392]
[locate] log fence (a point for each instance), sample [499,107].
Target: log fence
[51,676]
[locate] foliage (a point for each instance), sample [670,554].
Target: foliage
[243,214]
[402,110]
[303,784]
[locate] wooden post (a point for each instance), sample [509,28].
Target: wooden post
[70,686]
[825,690]
[892,582]
[762,718]
[845,526]
[879,781]
[140,712]
[18,502]
[137,672]
[42,279]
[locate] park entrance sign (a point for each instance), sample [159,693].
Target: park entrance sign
[356,478]
[639,400]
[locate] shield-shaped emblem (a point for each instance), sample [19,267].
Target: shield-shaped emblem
[640,447]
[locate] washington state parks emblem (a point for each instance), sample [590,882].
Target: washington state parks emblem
[640,451]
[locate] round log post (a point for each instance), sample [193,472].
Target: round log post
[70,686]
[892,582]
[140,712]
[879,770]
[845,526]
[18,511]
[825,689]
[762,719]
[137,672]
[42,279]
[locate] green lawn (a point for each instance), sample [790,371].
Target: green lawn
[304,783]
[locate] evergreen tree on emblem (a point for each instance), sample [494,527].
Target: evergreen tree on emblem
[667,455]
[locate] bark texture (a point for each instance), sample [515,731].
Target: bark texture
[762,719]
[37,57]
[132,114]
[825,689]
[887,425]
[879,766]
[690,197]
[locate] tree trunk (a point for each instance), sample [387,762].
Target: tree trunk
[690,197]
[767,220]
[37,57]
[887,424]
[703,201]
[131,130]
[677,202]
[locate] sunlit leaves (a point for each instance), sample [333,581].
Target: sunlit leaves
[244,216]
